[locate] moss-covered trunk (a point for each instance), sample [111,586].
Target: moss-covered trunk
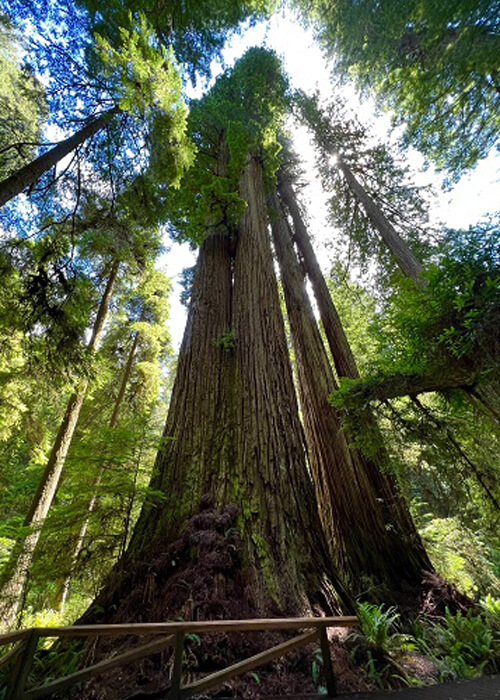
[232,528]
[369,535]
[233,434]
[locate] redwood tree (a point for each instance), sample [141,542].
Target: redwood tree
[362,511]
[232,527]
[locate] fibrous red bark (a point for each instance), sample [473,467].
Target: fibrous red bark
[370,536]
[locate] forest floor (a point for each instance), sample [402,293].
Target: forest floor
[352,683]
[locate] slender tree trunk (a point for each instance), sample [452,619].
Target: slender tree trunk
[343,358]
[30,173]
[405,259]
[63,590]
[376,464]
[483,391]
[367,538]
[16,572]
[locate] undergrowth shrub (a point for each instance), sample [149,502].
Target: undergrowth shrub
[378,643]
[462,646]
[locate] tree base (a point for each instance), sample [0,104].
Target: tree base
[201,576]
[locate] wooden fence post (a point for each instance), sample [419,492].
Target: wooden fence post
[331,683]
[177,670]
[22,668]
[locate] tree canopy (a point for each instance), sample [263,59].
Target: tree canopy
[325,438]
[434,64]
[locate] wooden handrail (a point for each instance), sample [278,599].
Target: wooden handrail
[17,636]
[10,655]
[176,632]
[247,665]
[153,628]
[96,669]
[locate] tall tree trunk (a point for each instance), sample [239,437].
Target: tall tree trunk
[237,532]
[405,259]
[270,443]
[343,358]
[63,589]
[30,173]
[367,537]
[16,572]
[485,391]
[376,464]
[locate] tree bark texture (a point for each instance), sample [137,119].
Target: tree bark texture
[367,534]
[407,262]
[30,173]
[232,440]
[343,358]
[16,571]
[376,465]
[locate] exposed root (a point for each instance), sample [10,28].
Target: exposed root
[437,595]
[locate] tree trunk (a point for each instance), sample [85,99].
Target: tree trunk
[362,421]
[345,364]
[237,532]
[270,439]
[30,173]
[397,385]
[368,538]
[63,590]
[16,572]
[343,358]
[405,259]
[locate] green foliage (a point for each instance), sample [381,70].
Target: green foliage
[356,308]
[378,644]
[228,341]
[462,645]
[377,627]
[148,85]
[317,671]
[450,325]
[22,106]
[196,31]
[435,64]
[240,116]
[140,308]
[491,613]
[340,137]
[255,677]
[459,555]
[146,75]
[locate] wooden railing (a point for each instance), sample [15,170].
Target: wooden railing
[25,643]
